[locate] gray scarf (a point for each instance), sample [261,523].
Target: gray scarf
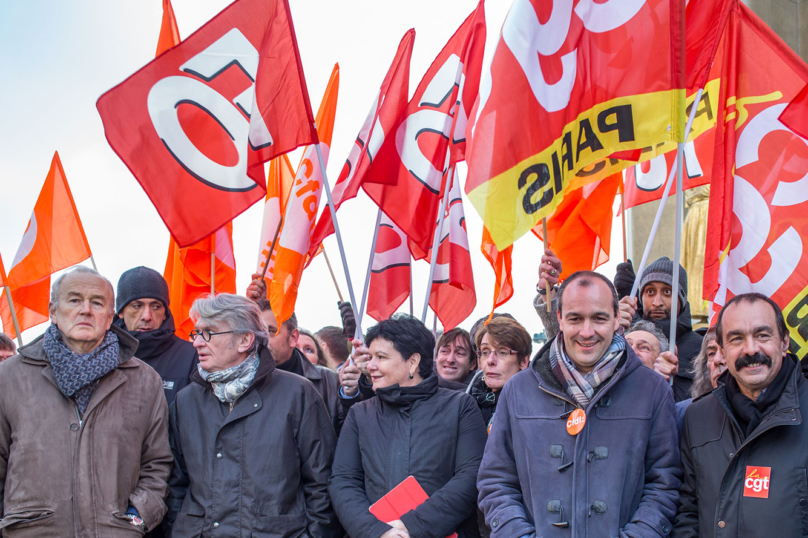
[582,386]
[77,374]
[228,385]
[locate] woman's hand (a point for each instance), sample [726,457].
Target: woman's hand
[399,530]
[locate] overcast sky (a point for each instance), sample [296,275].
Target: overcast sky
[58,57]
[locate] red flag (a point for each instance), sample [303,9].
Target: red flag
[501,263]
[390,273]
[54,240]
[452,296]
[795,116]
[196,124]
[188,273]
[758,216]
[570,86]
[580,230]
[301,210]
[384,114]
[25,295]
[414,161]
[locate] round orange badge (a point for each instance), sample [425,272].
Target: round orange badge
[576,421]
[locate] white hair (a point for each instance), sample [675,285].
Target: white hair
[80,270]
[241,315]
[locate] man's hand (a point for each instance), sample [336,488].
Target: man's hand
[624,279]
[349,379]
[666,365]
[549,272]
[628,306]
[257,288]
[348,320]
[360,355]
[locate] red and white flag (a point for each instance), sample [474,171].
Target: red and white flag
[390,275]
[758,215]
[452,296]
[407,175]
[383,116]
[196,124]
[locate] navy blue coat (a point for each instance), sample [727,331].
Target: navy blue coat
[619,477]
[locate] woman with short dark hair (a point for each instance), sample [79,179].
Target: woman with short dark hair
[411,428]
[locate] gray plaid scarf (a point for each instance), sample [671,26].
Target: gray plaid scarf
[77,374]
[228,385]
[582,386]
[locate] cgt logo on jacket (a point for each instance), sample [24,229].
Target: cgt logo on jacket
[757,482]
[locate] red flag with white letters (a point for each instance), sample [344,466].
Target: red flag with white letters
[196,124]
[390,272]
[758,215]
[407,176]
[384,113]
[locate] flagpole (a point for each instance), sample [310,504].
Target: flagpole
[339,240]
[680,148]
[665,195]
[213,263]
[272,248]
[436,242]
[370,262]
[14,315]
[547,287]
[333,278]
[92,260]
[411,309]
[623,214]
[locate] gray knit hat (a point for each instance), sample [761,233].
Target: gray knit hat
[141,283]
[661,270]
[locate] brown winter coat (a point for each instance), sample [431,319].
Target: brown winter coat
[63,477]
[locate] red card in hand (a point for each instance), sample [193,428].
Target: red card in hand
[404,497]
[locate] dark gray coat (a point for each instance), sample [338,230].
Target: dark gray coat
[437,436]
[259,470]
[619,477]
[327,384]
[716,462]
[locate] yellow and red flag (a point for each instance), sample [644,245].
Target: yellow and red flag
[189,271]
[758,215]
[573,88]
[279,185]
[54,240]
[301,210]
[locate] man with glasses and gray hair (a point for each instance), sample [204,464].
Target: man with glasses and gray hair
[252,444]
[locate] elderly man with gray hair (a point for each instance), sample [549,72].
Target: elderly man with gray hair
[651,346]
[83,424]
[252,444]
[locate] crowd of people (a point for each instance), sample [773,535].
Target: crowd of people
[112,425]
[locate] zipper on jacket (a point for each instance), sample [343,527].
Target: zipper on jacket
[78,416]
[73,478]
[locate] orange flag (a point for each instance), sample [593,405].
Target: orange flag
[279,185]
[188,273]
[501,264]
[580,230]
[188,270]
[301,210]
[54,240]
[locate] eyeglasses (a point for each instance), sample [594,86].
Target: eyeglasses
[501,353]
[205,334]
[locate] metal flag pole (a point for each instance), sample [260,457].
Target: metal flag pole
[92,261]
[339,240]
[547,287]
[677,241]
[623,215]
[436,242]
[213,264]
[370,263]
[14,315]
[665,195]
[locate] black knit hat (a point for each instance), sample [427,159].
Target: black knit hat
[141,283]
[661,270]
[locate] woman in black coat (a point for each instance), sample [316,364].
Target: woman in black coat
[411,428]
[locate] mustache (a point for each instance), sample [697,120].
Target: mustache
[745,360]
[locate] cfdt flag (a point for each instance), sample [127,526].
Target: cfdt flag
[758,213]
[279,185]
[407,174]
[390,275]
[196,124]
[384,114]
[573,88]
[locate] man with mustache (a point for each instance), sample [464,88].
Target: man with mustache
[743,444]
[584,438]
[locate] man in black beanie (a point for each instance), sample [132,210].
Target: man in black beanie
[656,289]
[142,309]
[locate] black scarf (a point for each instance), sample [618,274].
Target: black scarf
[750,413]
[77,374]
[406,396]
[152,343]
[293,365]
